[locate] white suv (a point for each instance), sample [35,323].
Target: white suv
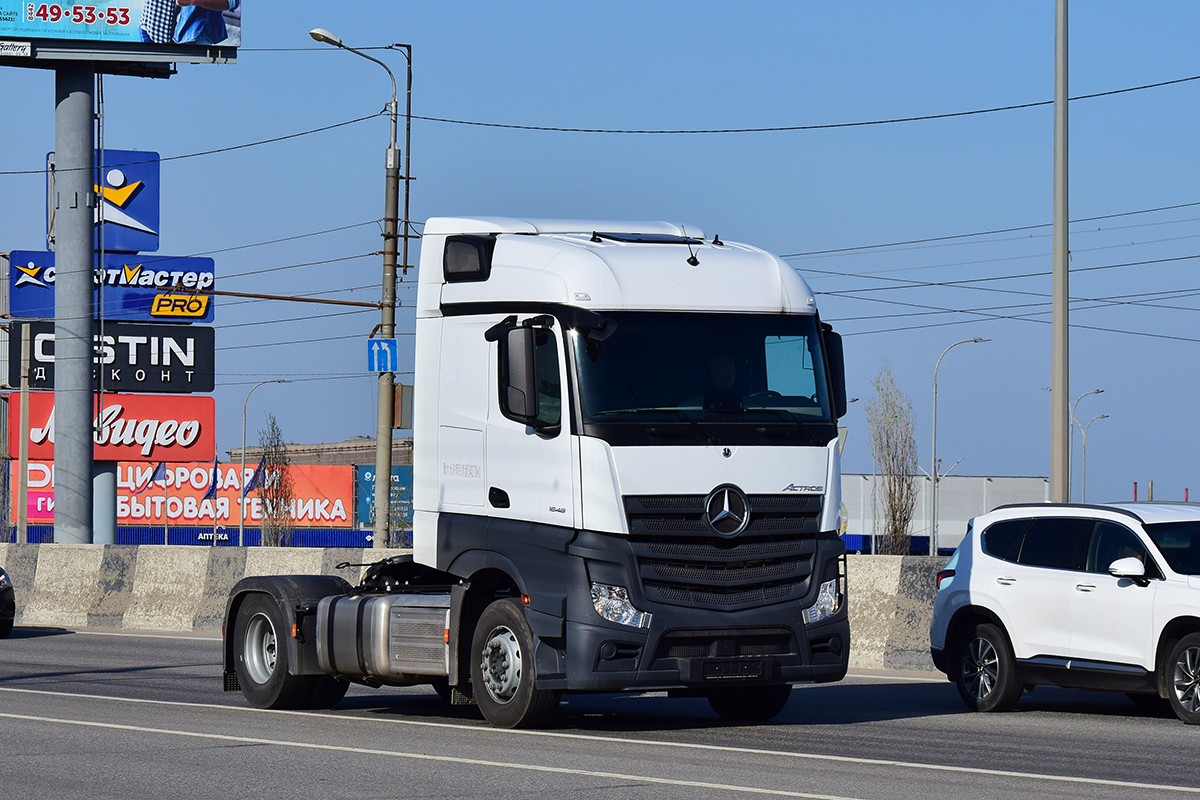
[1097,597]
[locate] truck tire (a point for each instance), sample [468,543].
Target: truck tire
[441,686]
[749,703]
[502,669]
[261,657]
[325,691]
[6,627]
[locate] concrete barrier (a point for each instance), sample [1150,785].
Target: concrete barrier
[183,588]
[160,587]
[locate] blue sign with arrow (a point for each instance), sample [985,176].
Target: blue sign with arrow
[383,355]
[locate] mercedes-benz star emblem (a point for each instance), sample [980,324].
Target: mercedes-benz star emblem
[727,510]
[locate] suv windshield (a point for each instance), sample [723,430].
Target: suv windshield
[1179,543]
[696,375]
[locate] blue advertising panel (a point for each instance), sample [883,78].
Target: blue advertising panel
[150,22]
[402,485]
[128,193]
[135,288]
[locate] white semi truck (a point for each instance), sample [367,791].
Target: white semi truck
[626,478]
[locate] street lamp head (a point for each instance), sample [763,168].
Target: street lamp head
[322,35]
[978,340]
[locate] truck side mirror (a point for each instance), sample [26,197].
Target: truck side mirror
[518,373]
[837,370]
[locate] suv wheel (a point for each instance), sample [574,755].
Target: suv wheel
[985,670]
[1183,678]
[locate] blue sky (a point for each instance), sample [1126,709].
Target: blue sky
[709,65]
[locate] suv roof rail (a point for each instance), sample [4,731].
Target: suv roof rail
[1081,506]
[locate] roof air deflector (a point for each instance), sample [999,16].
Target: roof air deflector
[644,238]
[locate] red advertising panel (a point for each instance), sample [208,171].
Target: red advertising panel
[130,427]
[323,495]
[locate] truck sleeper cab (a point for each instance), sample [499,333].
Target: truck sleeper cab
[626,477]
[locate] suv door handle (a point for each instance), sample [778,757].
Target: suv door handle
[1005,581]
[1085,587]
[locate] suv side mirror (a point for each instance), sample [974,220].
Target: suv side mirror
[518,373]
[1131,568]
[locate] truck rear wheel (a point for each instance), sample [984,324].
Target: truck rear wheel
[502,669]
[261,657]
[749,703]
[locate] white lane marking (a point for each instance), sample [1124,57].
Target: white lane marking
[648,742]
[149,635]
[477,762]
[899,678]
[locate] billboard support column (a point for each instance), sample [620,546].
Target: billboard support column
[74,201]
[104,502]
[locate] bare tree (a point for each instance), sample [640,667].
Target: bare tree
[276,489]
[890,417]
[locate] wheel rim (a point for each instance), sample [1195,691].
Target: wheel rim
[501,664]
[1186,677]
[980,668]
[260,650]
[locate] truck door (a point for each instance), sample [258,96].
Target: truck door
[529,465]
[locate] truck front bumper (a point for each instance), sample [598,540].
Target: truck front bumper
[695,647]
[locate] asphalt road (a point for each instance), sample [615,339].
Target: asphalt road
[93,714]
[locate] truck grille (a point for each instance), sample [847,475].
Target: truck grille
[681,561]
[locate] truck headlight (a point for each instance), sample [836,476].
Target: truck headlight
[5,581]
[612,603]
[828,603]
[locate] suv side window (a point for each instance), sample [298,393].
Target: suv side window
[1003,539]
[1111,541]
[1057,543]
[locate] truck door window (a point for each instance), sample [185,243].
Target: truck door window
[548,381]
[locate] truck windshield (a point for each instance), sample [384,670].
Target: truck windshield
[696,371]
[1179,543]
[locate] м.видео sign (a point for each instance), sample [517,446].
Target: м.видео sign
[130,427]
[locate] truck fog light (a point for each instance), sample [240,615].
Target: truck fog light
[612,603]
[828,603]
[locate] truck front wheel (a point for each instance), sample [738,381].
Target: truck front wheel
[749,703]
[502,669]
[261,657]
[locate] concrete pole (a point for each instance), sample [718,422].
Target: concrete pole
[74,147]
[104,502]
[1060,444]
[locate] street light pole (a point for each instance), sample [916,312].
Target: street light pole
[1084,430]
[242,475]
[387,325]
[1071,448]
[933,471]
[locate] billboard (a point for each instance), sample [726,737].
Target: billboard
[402,490]
[127,216]
[130,427]
[126,30]
[128,357]
[128,287]
[182,495]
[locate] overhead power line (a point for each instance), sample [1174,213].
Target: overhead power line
[784,128]
[230,148]
[642,131]
[993,232]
